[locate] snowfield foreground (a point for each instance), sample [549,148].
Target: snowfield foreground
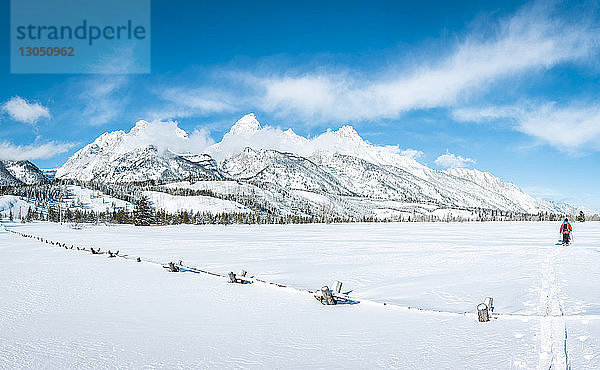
[67,308]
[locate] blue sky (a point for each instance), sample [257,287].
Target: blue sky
[501,86]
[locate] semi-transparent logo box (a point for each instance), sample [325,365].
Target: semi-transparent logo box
[80,36]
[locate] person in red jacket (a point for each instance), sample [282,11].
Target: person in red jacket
[565,230]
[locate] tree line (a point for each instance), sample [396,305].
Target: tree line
[47,204]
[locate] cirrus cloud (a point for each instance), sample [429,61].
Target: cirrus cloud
[184,103]
[530,40]
[568,127]
[534,39]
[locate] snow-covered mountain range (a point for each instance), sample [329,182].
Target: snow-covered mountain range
[337,169]
[124,157]
[19,173]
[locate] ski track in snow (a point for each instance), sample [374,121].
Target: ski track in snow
[555,348]
[554,336]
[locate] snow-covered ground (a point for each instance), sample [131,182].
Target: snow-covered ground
[14,204]
[65,308]
[91,200]
[199,203]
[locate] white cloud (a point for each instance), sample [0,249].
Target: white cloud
[24,111]
[525,42]
[102,99]
[166,135]
[34,151]
[121,60]
[568,127]
[533,39]
[190,103]
[411,153]
[450,160]
[484,114]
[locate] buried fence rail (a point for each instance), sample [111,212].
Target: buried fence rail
[327,296]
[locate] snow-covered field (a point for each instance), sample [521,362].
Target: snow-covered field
[14,204]
[174,203]
[65,308]
[87,199]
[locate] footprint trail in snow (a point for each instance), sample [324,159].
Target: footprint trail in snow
[553,325]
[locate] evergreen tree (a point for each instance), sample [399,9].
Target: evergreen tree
[30,214]
[142,214]
[581,217]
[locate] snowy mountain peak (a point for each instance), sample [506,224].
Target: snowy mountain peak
[245,125]
[348,132]
[289,132]
[109,138]
[149,151]
[139,127]
[142,126]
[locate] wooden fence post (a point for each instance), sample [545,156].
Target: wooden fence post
[329,300]
[482,313]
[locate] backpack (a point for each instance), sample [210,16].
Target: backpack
[565,226]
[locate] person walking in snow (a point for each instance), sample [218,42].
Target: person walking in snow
[565,230]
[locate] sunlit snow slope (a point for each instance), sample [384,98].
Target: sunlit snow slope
[78,309]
